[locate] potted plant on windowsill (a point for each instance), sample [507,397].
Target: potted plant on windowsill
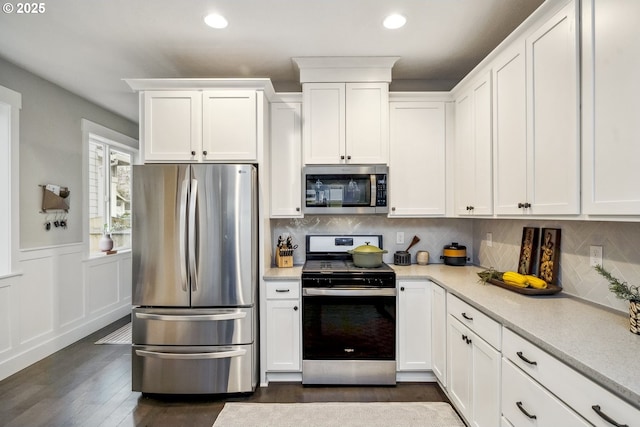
[627,292]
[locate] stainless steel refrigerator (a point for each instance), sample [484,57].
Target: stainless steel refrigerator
[194,278]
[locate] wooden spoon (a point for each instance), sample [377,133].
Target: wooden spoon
[415,240]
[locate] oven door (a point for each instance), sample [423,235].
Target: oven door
[349,324]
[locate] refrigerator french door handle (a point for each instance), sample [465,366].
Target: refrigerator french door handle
[192,356]
[183,233]
[193,266]
[193,317]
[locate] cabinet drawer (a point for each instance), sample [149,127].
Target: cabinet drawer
[527,403]
[286,289]
[480,323]
[586,397]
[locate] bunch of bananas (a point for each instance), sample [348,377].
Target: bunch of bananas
[523,280]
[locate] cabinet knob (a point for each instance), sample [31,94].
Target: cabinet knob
[295,308]
[527,205]
[297,209]
[348,157]
[341,157]
[204,152]
[520,205]
[393,208]
[193,153]
[402,288]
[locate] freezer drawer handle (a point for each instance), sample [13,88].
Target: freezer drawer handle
[192,356]
[193,317]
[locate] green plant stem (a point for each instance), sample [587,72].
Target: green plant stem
[622,290]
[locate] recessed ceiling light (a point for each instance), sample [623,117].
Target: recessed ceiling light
[216,21]
[394,21]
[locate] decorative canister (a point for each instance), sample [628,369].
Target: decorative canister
[634,317]
[105,243]
[422,257]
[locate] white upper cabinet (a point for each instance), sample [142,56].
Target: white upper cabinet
[417,159]
[553,136]
[611,112]
[203,120]
[286,159]
[346,123]
[536,121]
[229,125]
[473,155]
[172,125]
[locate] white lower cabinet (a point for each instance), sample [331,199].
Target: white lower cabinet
[597,405]
[473,366]
[414,325]
[283,339]
[439,333]
[527,403]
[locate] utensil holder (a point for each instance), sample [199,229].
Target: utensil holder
[402,258]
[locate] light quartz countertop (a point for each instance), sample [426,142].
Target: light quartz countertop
[594,340]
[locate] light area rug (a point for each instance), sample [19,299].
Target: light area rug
[342,414]
[119,336]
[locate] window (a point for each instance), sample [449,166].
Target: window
[109,188]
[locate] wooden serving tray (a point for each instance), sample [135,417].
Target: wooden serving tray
[550,290]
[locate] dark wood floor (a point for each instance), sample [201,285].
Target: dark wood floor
[90,385]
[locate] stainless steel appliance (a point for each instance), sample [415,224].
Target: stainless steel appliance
[345,189]
[194,279]
[349,315]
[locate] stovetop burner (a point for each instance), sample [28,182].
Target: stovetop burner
[341,266]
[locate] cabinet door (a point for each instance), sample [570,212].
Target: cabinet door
[439,333]
[527,403]
[367,123]
[286,159]
[510,131]
[473,153]
[324,123]
[283,335]
[485,393]
[459,365]
[414,326]
[417,159]
[553,122]
[610,91]
[229,125]
[172,125]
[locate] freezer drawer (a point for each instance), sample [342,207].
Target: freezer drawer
[194,369]
[223,326]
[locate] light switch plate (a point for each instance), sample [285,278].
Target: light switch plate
[400,237]
[595,256]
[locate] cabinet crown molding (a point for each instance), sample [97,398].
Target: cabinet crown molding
[262,84]
[335,69]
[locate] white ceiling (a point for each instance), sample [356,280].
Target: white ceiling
[89,46]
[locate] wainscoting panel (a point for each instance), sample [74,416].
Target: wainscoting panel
[36,300]
[5,314]
[70,288]
[102,280]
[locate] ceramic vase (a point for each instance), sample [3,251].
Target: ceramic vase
[106,243]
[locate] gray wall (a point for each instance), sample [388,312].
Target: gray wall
[51,150]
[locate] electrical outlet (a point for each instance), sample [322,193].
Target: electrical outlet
[489,239]
[595,256]
[400,237]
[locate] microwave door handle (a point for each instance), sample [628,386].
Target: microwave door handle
[182,235]
[374,193]
[193,266]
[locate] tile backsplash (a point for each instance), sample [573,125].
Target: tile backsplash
[620,242]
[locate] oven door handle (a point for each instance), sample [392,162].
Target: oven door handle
[349,292]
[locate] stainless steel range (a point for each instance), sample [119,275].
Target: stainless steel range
[349,315]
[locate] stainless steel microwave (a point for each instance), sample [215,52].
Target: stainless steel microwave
[345,189]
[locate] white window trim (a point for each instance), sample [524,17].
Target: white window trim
[115,139]
[10,219]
